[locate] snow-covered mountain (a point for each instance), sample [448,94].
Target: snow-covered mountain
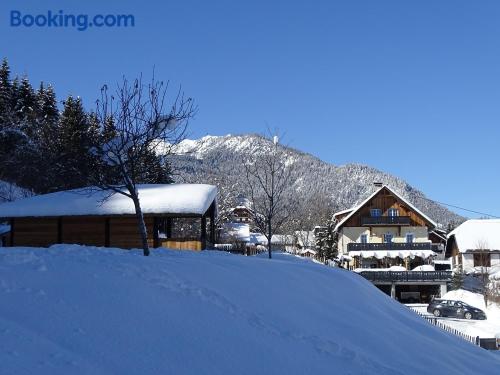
[217,159]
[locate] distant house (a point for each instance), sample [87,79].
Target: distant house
[282,242]
[237,238]
[305,239]
[386,237]
[177,216]
[475,243]
[242,212]
[307,253]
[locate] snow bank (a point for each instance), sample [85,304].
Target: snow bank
[174,198]
[82,310]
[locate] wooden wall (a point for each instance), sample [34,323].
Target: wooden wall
[181,244]
[124,233]
[91,230]
[34,232]
[385,200]
[84,231]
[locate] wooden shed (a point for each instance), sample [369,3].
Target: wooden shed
[177,216]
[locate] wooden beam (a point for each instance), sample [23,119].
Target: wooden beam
[59,229]
[156,240]
[203,232]
[169,227]
[212,223]
[11,232]
[106,232]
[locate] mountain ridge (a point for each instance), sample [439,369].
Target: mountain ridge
[215,159]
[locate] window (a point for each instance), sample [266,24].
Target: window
[363,238]
[393,212]
[375,212]
[388,237]
[482,260]
[409,237]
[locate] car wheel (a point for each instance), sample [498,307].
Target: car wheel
[437,313]
[468,315]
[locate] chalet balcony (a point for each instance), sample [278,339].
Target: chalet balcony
[355,246]
[385,220]
[407,276]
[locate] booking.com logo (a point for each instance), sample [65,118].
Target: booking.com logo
[79,21]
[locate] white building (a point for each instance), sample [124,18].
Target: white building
[475,243]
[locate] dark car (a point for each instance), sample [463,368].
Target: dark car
[455,309]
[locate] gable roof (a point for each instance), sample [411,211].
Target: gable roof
[186,199]
[476,233]
[358,207]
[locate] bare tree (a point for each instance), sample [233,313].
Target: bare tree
[268,173]
[314,211]
[482,258]
[137,125]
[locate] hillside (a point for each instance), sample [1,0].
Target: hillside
[218,160]
[81,310]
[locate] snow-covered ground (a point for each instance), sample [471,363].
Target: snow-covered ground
[483,328]
[83,310]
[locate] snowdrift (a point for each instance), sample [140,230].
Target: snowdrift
[83,310]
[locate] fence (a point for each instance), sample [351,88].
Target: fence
[434,321]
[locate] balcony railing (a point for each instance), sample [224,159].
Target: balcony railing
[385,220]
[402,276]
[355,246]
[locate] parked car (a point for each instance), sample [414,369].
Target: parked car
[455,309]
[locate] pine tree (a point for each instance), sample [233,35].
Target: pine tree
[26,110]
[326,241]
[5,95]
[48,114]
[73,146]
[457,280]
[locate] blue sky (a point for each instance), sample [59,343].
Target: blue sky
[412,89]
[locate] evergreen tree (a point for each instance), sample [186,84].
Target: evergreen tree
[5,95]
[47,132]
[73,146]
[26,110]
[457,280]
[326,241]
[48,115]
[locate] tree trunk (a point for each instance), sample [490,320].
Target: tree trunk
[142,225]
[270,235]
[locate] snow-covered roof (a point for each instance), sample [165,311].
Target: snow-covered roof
[307,251]
[356,209]
[236,231]
[343,211]
[258,238]
[477,234]
[155,199]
